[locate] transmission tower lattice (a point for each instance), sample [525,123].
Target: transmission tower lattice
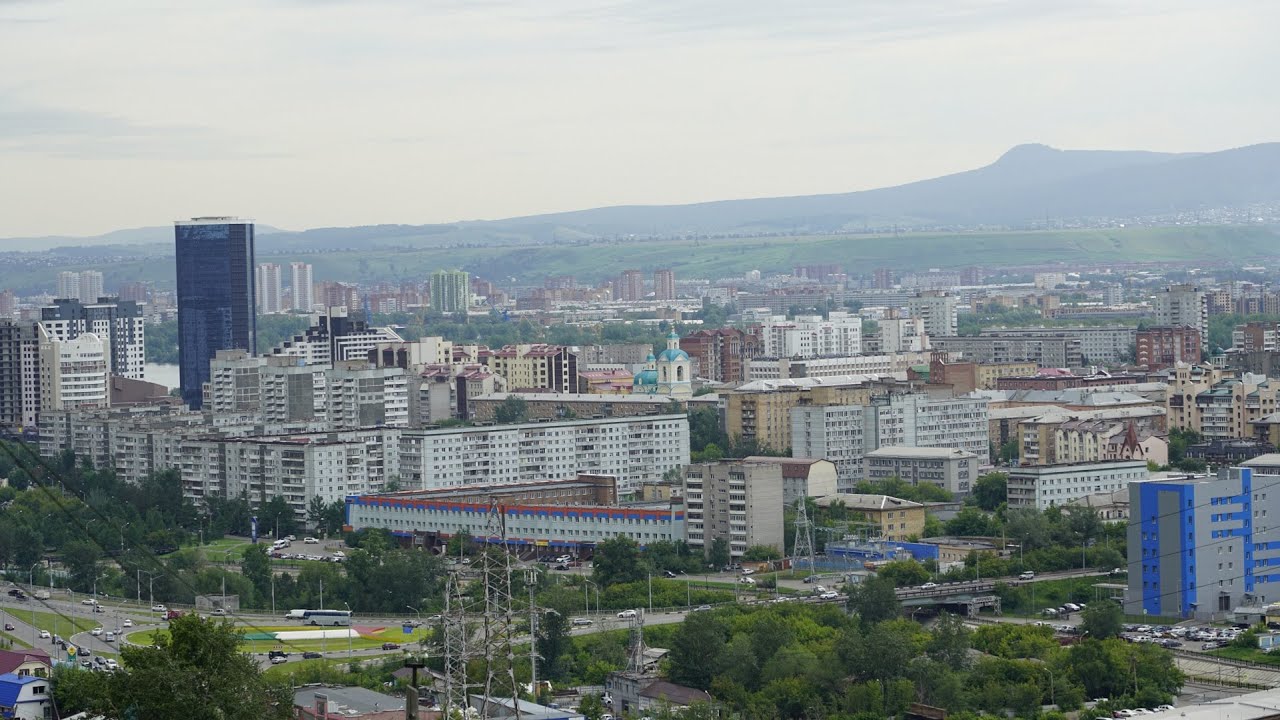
[802,549]
[456,647]
[499,620]
[635,648]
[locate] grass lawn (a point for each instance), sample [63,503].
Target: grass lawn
[59,624]
[1247,654]
[288,670]
[225,550]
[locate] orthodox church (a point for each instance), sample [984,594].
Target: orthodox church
[667,374]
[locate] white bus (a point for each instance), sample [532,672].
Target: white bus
[326,617]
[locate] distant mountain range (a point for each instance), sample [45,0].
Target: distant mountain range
[1024,186]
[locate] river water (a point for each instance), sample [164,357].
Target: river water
[162,373]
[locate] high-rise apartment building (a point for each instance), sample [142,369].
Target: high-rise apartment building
[883,279]
[90,286]
[17,342]
[738,500]
[119,323]
[8,304]
[331,294]
[139,292]
[215,291]
[721,354]
[269,288]
[1159,348]
[937,308]
[450,291]
[73,373]
[664,284]
[903,335]
[335,337]
[630,286]
[69,284]
[360,395]
[302,286]
[1183,305]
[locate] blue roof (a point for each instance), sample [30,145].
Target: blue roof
[11,686]
[673,355]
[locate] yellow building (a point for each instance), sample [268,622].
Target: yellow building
[895,518]
[761,410]
[1185,383]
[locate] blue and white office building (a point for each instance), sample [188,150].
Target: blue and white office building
[215,289]
[1204,546]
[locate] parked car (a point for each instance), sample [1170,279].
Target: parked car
[627,614]
[310,541]
[311,655]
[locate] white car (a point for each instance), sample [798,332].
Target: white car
[128,622]
[929,586]
[112,664]
[218,611]
[159,608]
[829,595]
[748,571]
[277,660]
[44,635]
[96,631]
[627,614]
[310,541]
[746,580]
[88,601]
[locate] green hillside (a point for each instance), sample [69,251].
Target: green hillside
[595,261]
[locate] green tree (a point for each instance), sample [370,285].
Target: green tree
[195,670]
[81,558]
[718,555]
[617,560]
[903,573]
[874,601]
[990,490]
[513,409]
[591,707]
[277,517]
[949,643]
[315,512]
[761,553]
[256,568]
[552,643]
[972,522]
[1102,619]
[697,649]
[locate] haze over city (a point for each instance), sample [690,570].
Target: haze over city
[307,114]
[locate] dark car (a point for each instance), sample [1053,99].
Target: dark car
[14,592]
[311,655]
[390,646]
[562,566]
[82,652]
[8,627]
[277,653]
[668,573]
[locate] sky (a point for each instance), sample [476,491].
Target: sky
[315,113]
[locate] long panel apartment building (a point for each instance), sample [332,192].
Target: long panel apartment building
[633,449]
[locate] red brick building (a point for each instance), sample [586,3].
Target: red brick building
[721,354]
[1162,347]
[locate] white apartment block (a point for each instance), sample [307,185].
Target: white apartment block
[844,434]
[73,373]
[302,286]
[903,335]
[270,289]
[1183,305]
[937,310]
[1044,486]
[786,368]
[359,395]
[635,450]
[950,469]
[738,500]
[809,336]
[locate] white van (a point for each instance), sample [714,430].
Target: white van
[295,614]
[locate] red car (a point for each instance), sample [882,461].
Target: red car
[173,614]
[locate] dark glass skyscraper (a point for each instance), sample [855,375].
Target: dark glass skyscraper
[215,296]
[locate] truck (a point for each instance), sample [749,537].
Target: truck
[173,614]
[42,594]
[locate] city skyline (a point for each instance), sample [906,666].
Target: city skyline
[808,98]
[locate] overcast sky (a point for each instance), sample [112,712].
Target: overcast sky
[308,113]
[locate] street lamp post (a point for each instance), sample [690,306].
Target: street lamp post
[350,649]
[151,586]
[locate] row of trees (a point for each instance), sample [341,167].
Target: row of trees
[798,660]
